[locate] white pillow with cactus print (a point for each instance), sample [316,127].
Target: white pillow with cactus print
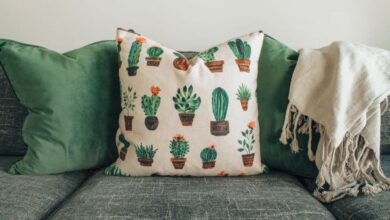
[193,117]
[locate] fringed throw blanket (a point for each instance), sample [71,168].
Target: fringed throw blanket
[340,91]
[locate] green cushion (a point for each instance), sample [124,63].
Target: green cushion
[73,104]
[277,63]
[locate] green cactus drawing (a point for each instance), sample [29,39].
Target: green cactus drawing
[241,49]
[134,54]
[114,170]
[145,154]
[209,59]
[126,145]
[150,105]
[208,55]
[154,52]
[185,101]
[220,103]
[179,146]
[208,154]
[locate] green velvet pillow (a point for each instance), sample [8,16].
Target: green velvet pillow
[73,104]
[276,67]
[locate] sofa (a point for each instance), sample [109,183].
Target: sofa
[92,195]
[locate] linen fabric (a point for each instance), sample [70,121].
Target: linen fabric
[340,91]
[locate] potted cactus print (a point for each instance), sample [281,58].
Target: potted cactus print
[126,145]
[180,62]
[133,58]
[186,103]
[247,144]
[209,59]
[242,51]
[119,41]
[145,154]
[150,106]
[244,95]
[220,103]
[208,156]
[154,54]
[179,148]
[128,100]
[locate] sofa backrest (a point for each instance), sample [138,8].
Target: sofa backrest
[12,115]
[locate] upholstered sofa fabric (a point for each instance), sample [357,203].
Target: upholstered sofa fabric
[385,132]
[270,196]
[365,207]
[12,115]
[33,197]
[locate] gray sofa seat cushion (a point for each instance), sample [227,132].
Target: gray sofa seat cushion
[385,132]
[12,115]
[270,196]
[365,207]
[33,197]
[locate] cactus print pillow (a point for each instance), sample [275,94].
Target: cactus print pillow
[194,117]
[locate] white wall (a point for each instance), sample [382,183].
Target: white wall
[195,24]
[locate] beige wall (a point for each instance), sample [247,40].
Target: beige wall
[194,25]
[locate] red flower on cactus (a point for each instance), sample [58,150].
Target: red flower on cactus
[140,39]
[251,125]
[155,90]
[213,146]
[179,137]
[119,40]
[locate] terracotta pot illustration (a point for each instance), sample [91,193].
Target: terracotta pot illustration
[145,162]
[132,70]
[153,61]
[243,65]
[122,154]
[151,122]
[178,163]
[129,123]
[181,63]
[215,66]
[244,104]
[119,64]
[208,165]
[219,128]
[186,118]
[247,159]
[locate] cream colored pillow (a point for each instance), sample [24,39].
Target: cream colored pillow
[193,117]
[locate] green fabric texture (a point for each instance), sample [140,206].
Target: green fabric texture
[276,66]
[73,104]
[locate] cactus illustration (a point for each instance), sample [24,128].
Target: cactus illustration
[154,54]
[145,154]
[150,105]
[242,51]
[179,148]
[134,54]
[114,170]
[186,103]
[244,95]
[180,62]
[208,57]
[208,156]
[247,145]
[220,103]
[123,152]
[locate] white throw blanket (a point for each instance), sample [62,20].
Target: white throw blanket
[340,91]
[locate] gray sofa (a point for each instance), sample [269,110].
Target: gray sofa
[92,195]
